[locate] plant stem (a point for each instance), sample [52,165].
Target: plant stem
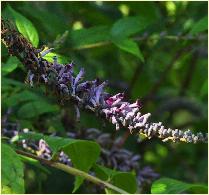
[74,171]
[142,38]
[157,85]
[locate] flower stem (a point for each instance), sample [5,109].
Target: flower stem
[74,171]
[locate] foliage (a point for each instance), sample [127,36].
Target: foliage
[172,186]
[12,171]
[25,26]
[158,55]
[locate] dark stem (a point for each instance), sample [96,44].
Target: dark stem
[157,85]
[190,72]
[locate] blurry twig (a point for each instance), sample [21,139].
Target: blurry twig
[190,72]
[60,39]
[135,77]
[175,104]
[157,85]
[123,139]
[162,35]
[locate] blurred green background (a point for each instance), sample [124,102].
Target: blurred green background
[155,51]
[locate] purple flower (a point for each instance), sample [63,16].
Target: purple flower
[114,99]
[77,79]
[83,86]
[66,77]
[30,78]
[64,89]
[142,120]
[61,71]
[69,67]
[107,113]
[44,78]
[137,104]
[99,90]
[79,76]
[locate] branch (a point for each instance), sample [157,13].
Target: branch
[74,171]
[164,74]
[147,37]
[87,95]
[190,72]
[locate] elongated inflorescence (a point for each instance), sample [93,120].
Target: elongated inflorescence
[89,95]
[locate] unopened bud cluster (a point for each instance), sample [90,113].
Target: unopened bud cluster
[157,129]
[42,150]
[37,147]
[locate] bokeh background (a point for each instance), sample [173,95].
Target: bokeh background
[164,63]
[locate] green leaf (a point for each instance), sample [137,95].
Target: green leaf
[124,180]
[36,108]
[11,171]
[128,26]
[22,96]
[204,89]
[104,173]
[83,155]
[6,190]
[200,26]
[12,82]
[129,46]
[172,186]
[25,27]
[60,58]
[148,10]
[10,65]
[86,38]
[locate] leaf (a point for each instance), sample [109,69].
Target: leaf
[103,173]
[52,27]
[204,89]
[25,27]
[200,26]
[36,108]
[83,154]
[11,171]
[7,81]
[10,65]
[172,186]
[147,10]
[85,38]
[22,96]
[128,26]
[124,180]
[60,58]
[6,190]
[129,46]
